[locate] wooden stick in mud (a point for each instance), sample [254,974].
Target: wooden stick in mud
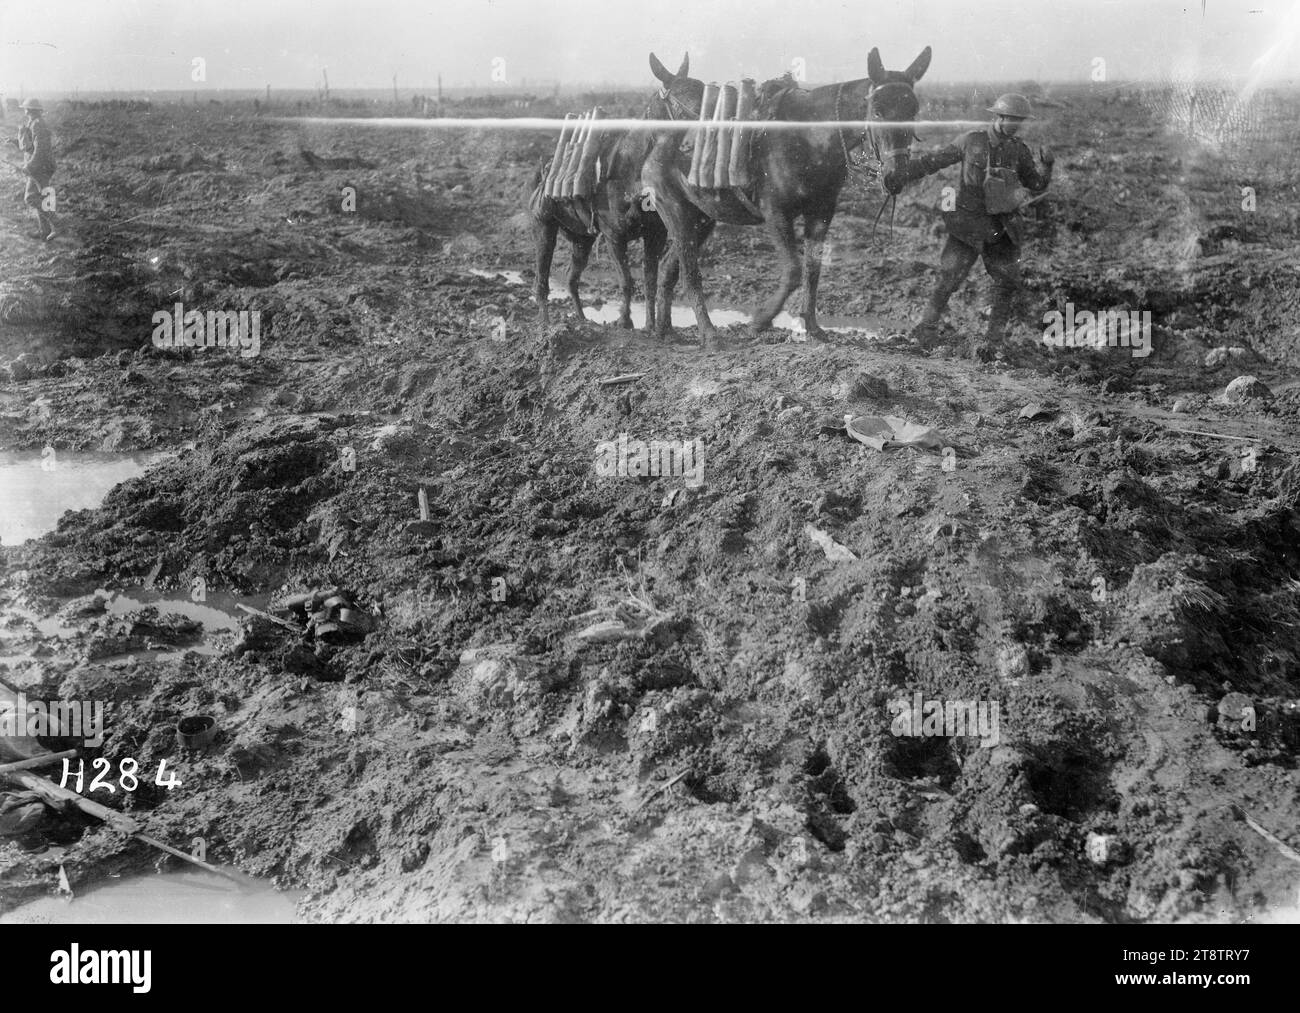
[153,842]
[267,615]
[1217,436]
[38,761]
[55,796]
[52,794]
[610,381]
[662,788]
[1283,849]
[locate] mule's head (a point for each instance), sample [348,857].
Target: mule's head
[681,96]
[892,105]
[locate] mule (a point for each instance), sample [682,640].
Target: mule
[800,174]
[620,213]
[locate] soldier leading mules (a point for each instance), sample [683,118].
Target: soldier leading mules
[798,173]
[998,178]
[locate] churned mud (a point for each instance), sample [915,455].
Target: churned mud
[595,697]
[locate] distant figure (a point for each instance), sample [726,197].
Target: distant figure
[38,146]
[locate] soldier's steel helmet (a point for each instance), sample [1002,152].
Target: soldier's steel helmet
[34,105]
[1012,104]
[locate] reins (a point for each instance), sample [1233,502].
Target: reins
[874,168]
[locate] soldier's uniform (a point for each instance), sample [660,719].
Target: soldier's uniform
[973,230]
[38,148]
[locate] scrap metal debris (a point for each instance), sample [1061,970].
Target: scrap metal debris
[835,552]
[330,616]
[887,432]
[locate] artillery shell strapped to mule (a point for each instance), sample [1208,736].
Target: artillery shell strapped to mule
[592,186]
[573,169]
[722,152]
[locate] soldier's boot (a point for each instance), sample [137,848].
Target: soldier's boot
[926,333]
[45,225]
[995,335]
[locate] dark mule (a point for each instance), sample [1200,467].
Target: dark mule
[800,173]
[621,215]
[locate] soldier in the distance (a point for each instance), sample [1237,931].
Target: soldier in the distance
[998,176]
[38,148]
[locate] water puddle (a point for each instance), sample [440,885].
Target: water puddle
[36,490]
[216,612]
[52,626]
[168,898]
[684,316]
[15,660]
[509,277]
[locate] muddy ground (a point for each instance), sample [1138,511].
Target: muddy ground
[720,749]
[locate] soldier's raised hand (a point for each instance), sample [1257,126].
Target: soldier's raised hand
[1046,157]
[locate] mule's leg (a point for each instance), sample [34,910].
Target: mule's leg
[580,252]
[618,247]
[654,242]
[545,232]
[780,224]
[689,228]
[670,269]
[815,227]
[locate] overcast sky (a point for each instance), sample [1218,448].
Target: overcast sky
[151,44]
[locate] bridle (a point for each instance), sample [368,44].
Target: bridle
[869,131]
[872,171]
[677,110]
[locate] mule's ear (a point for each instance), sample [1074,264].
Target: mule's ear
[919,66]
[659,70]
[685,68]
[875,69]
